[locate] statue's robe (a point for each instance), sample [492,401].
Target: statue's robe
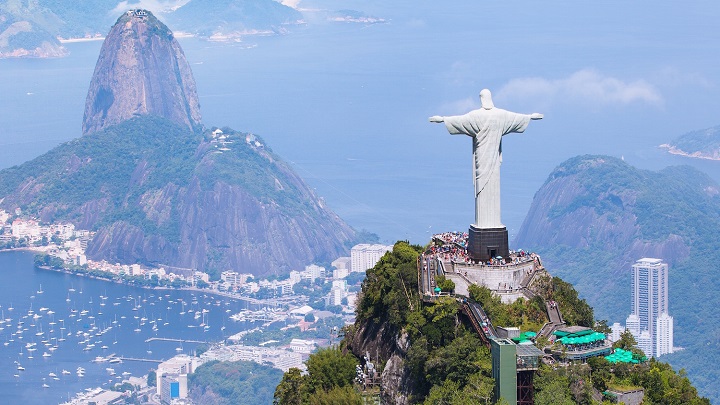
[487,127]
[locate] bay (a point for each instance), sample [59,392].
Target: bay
[78,308]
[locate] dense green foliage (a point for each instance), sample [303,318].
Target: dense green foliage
[679,201]
[575,384]
[329,368]
[528,315]
[445,285]
[45,260]
[390,288]
[448,364]
[138,172]
[233,380]
[103,166]
[574,310]
[152,378]
[445,358]
[328,381]
[30,39]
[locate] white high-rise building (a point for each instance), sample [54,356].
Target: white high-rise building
[664,335]
[617,330]
[313,271]
[339,263]
[365,256]
[649,287]
[632,323]
[645,343]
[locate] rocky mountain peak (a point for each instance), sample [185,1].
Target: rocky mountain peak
[141,70]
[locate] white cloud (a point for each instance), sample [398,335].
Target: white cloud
[587,86]
[291,3]
[155,6]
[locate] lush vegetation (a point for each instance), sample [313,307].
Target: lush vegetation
[105,167]
[140,157]
[140,175]
[390,288]
[328,381]
[224,382]
[448,364]
[678,202]
[577,383]
[528,315]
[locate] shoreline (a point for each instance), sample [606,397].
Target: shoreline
[253,301]
[74,40]
[679,152]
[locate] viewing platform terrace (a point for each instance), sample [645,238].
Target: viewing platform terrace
[509,277]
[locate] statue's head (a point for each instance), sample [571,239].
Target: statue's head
[486,99]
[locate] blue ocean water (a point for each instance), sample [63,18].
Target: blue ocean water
[74,318]
[347,104]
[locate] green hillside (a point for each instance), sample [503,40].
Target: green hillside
[596,215]
[428,354]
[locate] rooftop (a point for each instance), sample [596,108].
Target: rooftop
[649,260]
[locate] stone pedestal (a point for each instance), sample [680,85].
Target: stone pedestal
[484,244]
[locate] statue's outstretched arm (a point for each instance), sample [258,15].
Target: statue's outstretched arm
[437,118]
[536,116]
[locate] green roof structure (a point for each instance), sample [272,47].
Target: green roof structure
[623,356]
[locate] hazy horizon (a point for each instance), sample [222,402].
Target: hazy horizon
[348,103]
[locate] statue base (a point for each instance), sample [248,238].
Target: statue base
[484,244]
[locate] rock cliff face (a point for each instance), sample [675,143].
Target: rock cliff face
[141,71]
[161,195]
[385,342]
[160,191]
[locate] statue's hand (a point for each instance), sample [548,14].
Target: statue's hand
[536,116]
[436,118]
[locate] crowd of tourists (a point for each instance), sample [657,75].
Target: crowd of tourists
[452,247]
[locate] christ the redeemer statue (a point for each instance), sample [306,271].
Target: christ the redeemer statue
[487,126]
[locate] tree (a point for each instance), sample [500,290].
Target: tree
[291,388]
[626,342]
[602,326]
[601,372]
[479,389]
[444,394]
[329,368]
[152,379]
[445,284]
[457,361]
[556,392]
[336,396]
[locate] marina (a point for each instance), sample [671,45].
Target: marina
[65,339]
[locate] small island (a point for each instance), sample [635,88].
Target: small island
[700,144]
